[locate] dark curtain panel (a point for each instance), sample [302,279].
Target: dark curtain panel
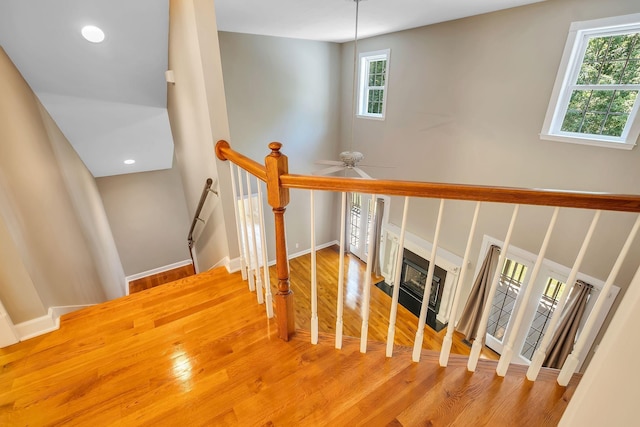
[564,337]
[470,320]
[377,233]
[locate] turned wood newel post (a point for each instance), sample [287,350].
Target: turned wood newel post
[276,165]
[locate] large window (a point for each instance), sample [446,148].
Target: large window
[372,84]
[595,100]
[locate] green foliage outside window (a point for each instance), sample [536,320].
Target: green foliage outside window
[611,60]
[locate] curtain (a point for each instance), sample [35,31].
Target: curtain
[470,319]
[565,335]
[377,233]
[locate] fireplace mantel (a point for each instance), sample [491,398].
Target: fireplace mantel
[444,259]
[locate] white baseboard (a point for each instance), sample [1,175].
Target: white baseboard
[233,265]
[47,323]
[38,326]
[308,251]
[156,271]
[223,262]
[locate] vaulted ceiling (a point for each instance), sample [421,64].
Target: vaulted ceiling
[109,98]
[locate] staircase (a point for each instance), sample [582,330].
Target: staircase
[200,350]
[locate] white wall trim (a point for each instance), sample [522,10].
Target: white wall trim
[156,271]
[47,323]
[233,265]
[307,251]
[223,262]
[38,326]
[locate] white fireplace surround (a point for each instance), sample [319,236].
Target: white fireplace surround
[449,262]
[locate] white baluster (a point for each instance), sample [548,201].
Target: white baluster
[391,333]
[255,263]
[507,351]
[541,352]
[478,343]
[417,342]
[314,275]
[448,339]
[234,190]
[243,222]
[340,302]
[571,364]
[367,278]
[268,298]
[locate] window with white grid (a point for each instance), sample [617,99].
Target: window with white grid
[372,84]
[595,100]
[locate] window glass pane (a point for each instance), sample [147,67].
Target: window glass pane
[511,278]
[632,72]
[355,219]
[572,121]
[546,306]
[599,112]
[614,125]
[592,123]
[606,59]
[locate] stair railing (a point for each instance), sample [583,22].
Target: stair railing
[196,216]
[279,181]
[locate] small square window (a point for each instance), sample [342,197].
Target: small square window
[372,84]
[595,99]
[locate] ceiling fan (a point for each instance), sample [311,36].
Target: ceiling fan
[348,160]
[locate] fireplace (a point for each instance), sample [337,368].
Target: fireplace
[413,279]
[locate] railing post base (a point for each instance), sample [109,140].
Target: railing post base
[285,315]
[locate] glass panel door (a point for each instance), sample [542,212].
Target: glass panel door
[360,214]
[509,288]
[546,306]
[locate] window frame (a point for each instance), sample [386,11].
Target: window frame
[364,58]
[570,65]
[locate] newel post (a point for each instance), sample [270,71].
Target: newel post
[277,164]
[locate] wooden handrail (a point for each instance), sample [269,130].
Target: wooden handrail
[225,152]
[196,215]
[525,196]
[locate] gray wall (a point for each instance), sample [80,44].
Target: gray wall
[148,216]
[59,243]
[466,103]
[285,90]
[198,116]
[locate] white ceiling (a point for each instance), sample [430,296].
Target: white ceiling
[110,98]
[333,20]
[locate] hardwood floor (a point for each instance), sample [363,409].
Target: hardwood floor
[153,280]
[200,351]
[327,268]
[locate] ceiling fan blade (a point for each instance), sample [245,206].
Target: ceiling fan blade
[362,173]
[328,162]
[377,166]
[328,171]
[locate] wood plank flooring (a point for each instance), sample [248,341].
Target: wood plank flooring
[153,280]
[327,267]
[200,351]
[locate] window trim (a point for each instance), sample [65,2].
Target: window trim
[569,65]
[365,58]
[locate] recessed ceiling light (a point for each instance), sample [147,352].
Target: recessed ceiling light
[129,162]
[93,34]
